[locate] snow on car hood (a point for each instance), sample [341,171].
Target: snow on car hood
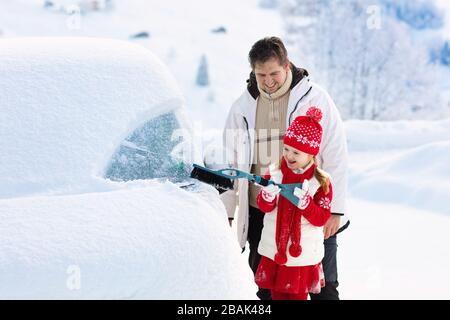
[67,103]
[158,242]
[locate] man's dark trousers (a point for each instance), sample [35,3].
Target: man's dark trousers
[329,262]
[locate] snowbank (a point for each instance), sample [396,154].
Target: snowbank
[419,178]
[67,103]
[404,162]
[158,242]
[392,251]
[364,135]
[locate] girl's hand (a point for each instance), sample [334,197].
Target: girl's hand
[270,192]
[303,195]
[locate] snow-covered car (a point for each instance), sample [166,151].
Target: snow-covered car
[95,195]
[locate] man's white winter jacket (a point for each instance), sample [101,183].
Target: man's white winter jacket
[239,139]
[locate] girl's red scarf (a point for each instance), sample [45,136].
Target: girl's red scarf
[289,216]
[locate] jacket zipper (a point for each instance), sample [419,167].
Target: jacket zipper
[249,143]
[296,105]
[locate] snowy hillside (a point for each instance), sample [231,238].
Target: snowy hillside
[399,181]
[401,162]
[179,34]
[393,251]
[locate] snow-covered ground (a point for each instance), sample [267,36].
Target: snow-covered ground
[394,251]
[403,162]
[397,246]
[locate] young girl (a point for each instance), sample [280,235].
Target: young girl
[291,243]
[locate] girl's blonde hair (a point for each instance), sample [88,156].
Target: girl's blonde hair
[322,176]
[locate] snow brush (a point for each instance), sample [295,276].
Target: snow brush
[222,180]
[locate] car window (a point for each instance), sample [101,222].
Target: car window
[147,153]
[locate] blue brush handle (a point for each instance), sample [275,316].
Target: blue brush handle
[287,190]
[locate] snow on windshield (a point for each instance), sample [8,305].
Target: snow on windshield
[147,153]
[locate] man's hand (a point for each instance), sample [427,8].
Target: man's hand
[332,226]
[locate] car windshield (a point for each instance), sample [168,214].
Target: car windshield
[148,153]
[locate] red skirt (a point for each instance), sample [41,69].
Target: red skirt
[292,280]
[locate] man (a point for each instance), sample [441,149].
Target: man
[277,92]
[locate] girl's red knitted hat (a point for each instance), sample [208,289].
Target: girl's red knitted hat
[305,132]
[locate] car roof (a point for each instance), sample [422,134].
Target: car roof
[67,103]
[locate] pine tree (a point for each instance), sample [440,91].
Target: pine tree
[202,73]
[445,54]
[268,4]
